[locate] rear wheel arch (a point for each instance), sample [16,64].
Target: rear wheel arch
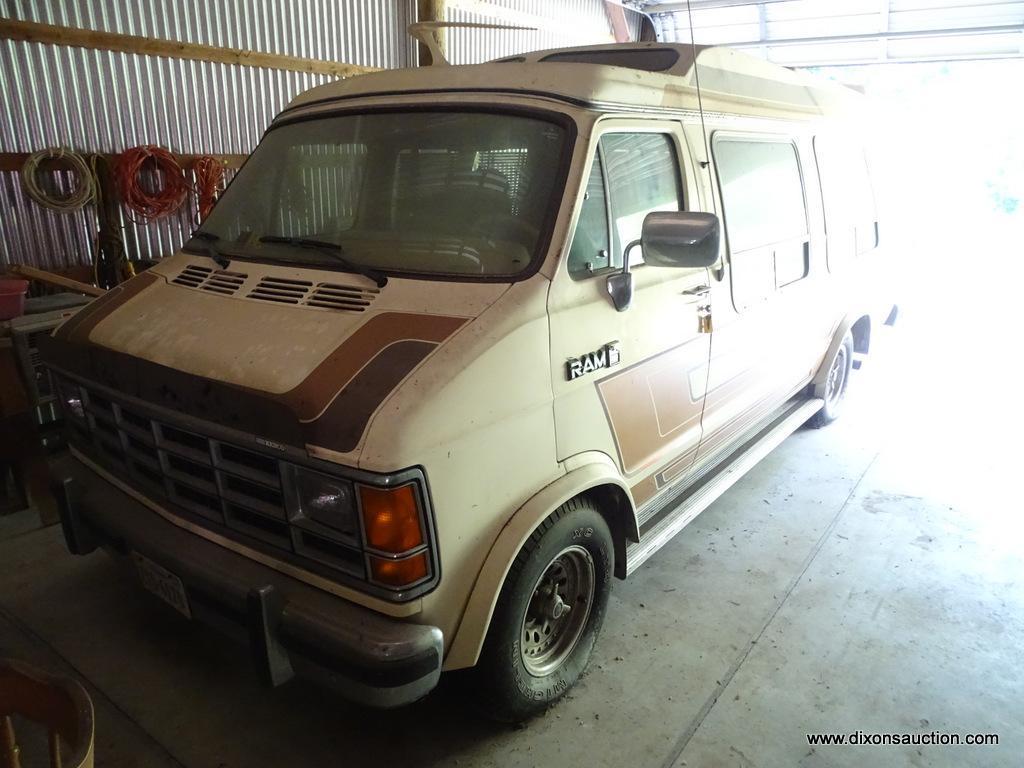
[846,326]
[861,331]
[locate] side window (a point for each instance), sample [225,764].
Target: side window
[765,214]
[632,175]
[589,251]
[849,200]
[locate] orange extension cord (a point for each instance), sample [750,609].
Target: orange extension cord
[172,186]
[209,175]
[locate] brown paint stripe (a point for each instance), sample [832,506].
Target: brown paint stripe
[342,425]
[317,391]
[80,326]
[340,395]
[644,491]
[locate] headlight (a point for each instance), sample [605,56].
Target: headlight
[323,504]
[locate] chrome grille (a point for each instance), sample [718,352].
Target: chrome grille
[217,481]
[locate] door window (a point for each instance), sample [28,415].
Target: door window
[765,214]
[632,175]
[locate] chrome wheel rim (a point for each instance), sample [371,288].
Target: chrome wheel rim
[558,611]
[835,384]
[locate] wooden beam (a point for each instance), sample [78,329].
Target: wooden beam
[31,273]
[430,10]
[12,161]
[32,32]
[617,20]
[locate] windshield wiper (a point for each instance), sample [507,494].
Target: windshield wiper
[212,251]
[333,250]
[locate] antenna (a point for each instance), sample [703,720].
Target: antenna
[696,77]
[425,32]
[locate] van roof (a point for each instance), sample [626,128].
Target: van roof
[632,76]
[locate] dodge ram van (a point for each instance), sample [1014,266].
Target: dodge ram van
[460,344]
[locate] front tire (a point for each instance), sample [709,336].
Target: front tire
[837,381]
[548,615]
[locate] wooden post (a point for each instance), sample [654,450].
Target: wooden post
[8,745]
[617,19]
[430,10]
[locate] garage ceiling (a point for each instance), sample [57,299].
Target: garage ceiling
[807,33]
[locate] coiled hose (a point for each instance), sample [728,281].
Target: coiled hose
[209,175]
[171,189]
[83,188]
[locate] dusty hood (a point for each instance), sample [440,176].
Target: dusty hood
[298,356]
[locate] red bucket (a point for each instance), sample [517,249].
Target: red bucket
[12,298]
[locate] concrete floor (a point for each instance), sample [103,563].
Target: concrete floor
[867,576]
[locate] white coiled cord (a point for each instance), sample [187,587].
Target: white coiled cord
[84,186]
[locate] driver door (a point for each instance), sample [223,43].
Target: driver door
[630,384]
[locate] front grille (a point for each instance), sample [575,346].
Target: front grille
[218,484]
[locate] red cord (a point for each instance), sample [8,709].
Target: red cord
[209,175]
[172,187]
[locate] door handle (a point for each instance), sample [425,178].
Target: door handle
[697,290]
[701,293]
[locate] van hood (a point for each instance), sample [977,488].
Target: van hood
[295,356]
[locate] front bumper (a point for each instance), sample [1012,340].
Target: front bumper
[290,626]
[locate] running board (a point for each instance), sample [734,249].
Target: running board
[695,501]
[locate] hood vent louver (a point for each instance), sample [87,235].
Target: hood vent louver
[204,278]
[335,296]
[192,276]
[280,290]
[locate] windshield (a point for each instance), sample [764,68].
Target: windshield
[446,193]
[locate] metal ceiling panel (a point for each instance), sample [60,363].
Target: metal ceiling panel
[815,33]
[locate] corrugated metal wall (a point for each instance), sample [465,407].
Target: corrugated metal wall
[101,101]
[557,24]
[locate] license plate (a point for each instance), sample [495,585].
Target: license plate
[163,584]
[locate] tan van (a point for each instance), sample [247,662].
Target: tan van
[460,344]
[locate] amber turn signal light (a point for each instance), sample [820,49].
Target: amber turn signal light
[391,518]
[399,573]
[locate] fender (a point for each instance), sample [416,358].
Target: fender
[469,637]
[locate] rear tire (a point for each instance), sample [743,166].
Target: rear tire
[548,615]
[837,381]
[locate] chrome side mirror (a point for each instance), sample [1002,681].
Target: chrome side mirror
[680,239]
[668,239]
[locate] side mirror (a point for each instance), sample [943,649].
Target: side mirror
[668,239]
[680,239]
